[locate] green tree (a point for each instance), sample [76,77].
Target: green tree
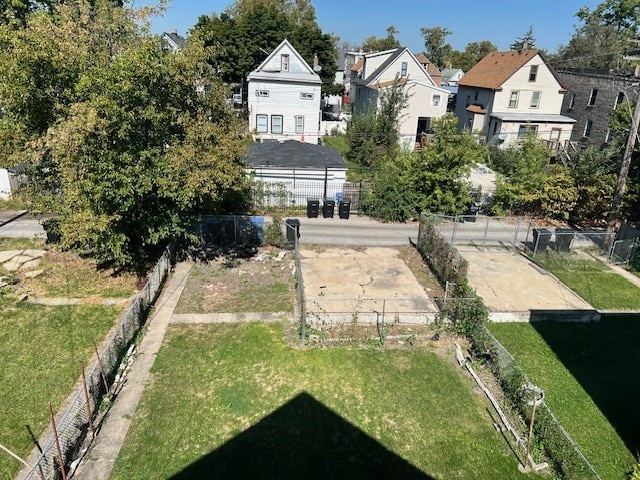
[472,54]
[124,140]
[240,38]
[375,44]
[595,179]
[375,134]
[601,36]
[435,46]
[527,39]
[444,168]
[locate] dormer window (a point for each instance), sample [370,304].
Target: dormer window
[284,63]
[533,73]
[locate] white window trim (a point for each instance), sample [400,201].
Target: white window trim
[433,99]
[532,69]
[273,130]
[517,94]
[284,62]
[592,97]
[299,121]
[266,123]
[533,95]
[262,93]
[588,127]
[306,96]
[404,67]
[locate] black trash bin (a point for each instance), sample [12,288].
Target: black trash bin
[541,239]
[472,213]
[328,208]
[344,208]
[564,237]
[313,208]
[292,226]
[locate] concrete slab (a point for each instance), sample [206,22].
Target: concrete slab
[6,255]
[515,289]
[343,285]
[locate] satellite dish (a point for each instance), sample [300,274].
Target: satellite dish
[317,68]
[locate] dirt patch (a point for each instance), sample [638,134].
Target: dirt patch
[421,271]
[261,283]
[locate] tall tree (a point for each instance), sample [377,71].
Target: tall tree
[528,40]
[435,46]
[240,38]
[601,36]
[376,44]
[121,144]
[472,54]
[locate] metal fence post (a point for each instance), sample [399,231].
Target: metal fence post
[455,228]
[515,235]
[484,236]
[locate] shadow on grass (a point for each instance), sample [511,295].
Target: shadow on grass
[603,358]
[301,439]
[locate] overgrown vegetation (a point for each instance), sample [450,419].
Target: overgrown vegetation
[273,234]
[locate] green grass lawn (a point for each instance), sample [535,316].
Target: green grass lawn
[236,401]
[592,382]
[41,351]
[593,281]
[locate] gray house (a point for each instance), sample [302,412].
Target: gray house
[591,98]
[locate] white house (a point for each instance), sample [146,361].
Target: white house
[509,93]
[451,76]
[284,97]
[173,41]
[427,101]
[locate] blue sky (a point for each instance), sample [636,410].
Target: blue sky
[500,21]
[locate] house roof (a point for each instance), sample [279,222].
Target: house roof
[496,68]
[533,117]
[448,73]
[357,66]
[293,154]
[476,109]
[390,59]
[432,68]
[174,38]
[306,76]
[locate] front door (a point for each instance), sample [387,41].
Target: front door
[424,125]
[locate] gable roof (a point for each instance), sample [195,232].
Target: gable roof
[175,40]
[432,68]
[307,76]
[293,154]
[496,68]
[371,80]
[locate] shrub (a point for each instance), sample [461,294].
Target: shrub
[273,232]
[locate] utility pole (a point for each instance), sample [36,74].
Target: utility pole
[614,213]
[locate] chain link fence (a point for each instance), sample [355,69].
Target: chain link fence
[512,233]
[562,451]
[72,424]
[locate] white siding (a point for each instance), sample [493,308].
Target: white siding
[295,65]
[420,105]
[285,99]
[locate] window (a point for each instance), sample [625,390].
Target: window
[468,100]
[262,93]
[619,99]
[276,124]
[592,97]
[587,129]
[535,99]
[306,96]
[513,99]
[475,96]
[533,73]
[284,63]
[523,129]
[261,123]
[607,137]
[572,100]
[299,124]
[495,128]
[403,72]
[435,99]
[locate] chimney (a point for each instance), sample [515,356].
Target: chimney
[525,46]
[174,31]
[316,62]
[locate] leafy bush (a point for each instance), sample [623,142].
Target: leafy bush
[273,232]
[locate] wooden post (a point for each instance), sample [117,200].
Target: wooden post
[104,379]
[533,416]
[2,447]
[55,435]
